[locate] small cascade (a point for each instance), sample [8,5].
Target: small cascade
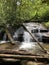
[27,44]
[26,37]
[18,34]
[4,37]
[39,33]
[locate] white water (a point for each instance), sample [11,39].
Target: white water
[27,44]
[26,37]
[4,37]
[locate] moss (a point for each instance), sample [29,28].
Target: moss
[46,24]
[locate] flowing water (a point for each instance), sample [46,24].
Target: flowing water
[26,37]
[27,43]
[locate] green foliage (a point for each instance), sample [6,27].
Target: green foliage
[17,11]
[46,24]
[7,11]
[43,12]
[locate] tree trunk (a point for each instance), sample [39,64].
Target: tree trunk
[24,57]
[9,36]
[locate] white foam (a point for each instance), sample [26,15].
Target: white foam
[26,45]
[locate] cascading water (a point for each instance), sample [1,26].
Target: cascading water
[39,33]
[18,34]
[4,37]
[26,37]
[27,44]
[26,41]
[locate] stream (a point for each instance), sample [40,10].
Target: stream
[27,43]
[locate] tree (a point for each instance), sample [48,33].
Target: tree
[17,11]
[13,12]
[7,15]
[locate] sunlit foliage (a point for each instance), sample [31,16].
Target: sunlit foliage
[17,11]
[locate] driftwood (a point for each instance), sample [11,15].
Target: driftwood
[15,52]
[18,56]
[24,57]
[10,54]
[44,50]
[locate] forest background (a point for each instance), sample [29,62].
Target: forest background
[14,12]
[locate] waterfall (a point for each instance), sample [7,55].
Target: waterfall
[26,37]
[18,34]
[4,37]
[39,33]
[26,44]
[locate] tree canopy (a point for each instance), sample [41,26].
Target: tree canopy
[14,12]
[17,11]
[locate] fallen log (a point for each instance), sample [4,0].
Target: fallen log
[24,57]
[10,59]
[15,52]
[18,56]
